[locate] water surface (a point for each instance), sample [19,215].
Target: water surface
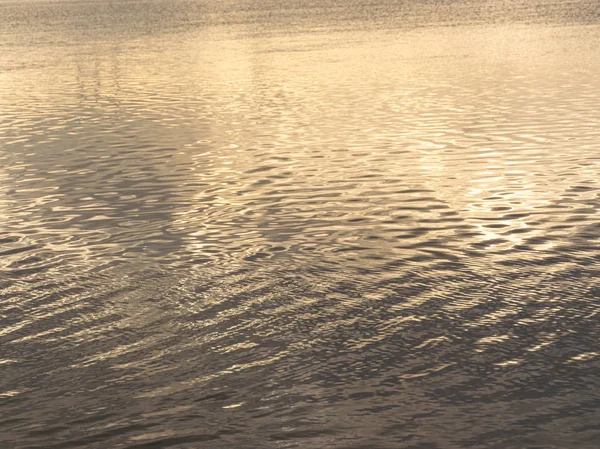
[297,224]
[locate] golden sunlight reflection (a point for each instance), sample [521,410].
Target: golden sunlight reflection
[267,224]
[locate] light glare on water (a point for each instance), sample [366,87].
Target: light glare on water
[290,224]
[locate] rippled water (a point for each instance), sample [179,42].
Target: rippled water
[262,224]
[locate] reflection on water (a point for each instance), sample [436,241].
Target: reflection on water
[262,224]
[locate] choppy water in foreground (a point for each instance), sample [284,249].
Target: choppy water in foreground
[367,224]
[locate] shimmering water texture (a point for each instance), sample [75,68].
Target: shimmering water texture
[296,224]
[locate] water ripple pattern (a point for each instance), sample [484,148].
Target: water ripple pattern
[297,224]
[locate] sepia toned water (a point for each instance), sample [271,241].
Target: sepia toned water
[300,224]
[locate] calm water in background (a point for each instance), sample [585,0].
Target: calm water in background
[298,224]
